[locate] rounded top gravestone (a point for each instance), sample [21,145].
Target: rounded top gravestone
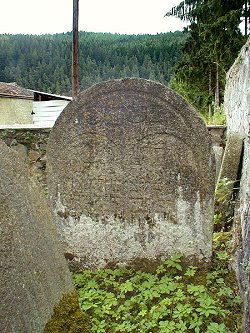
[130,175]
[34,274]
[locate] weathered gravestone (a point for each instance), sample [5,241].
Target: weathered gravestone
[33,272]
[130,175]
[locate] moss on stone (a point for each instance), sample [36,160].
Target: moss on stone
[68,317]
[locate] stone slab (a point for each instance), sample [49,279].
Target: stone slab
[237,106]
[33,272]
[131,175]
[232,155]
[218,154]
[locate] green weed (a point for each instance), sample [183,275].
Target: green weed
[218,117]
[171,299]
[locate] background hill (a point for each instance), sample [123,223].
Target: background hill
[44,62]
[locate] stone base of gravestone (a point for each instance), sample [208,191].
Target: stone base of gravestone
[34,274]
[131,176]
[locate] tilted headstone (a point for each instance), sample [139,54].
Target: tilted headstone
[131,175]
[229,172]
[33,272]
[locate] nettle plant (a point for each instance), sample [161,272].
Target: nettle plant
[171,299]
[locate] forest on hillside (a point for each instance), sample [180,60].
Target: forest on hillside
[44,62]
[193,62]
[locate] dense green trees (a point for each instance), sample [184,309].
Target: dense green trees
[213,42]
[44,62]
[204,54]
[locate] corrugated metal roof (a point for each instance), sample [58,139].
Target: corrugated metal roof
[14,90]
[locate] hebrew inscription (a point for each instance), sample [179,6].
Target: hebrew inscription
[129,156]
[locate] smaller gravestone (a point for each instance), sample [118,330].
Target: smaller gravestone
[33,271]
[232,155]
[218,154]
[229,172]
[131,176]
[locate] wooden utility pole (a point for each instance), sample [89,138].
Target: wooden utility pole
[217,88]
[75,78]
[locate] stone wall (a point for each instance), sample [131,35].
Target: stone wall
[32,144]
[237,109]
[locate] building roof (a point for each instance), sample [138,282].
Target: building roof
[14,90]
[49,95]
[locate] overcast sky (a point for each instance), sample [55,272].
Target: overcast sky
[116,16]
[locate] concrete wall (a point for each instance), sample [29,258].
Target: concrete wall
[15,111]
[237,109]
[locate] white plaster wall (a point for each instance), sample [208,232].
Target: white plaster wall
[15,111]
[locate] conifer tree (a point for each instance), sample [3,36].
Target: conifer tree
[213,42]
[44,62]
